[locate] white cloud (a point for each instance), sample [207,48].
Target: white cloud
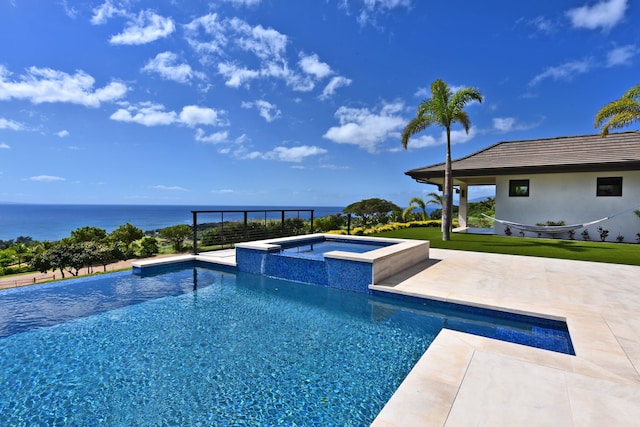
[4,146]
[150,114]
[236,76]
[333,85]
[214,138]
[166,65]
[372,9]
[10,124]
[504,124]
[621,55]
[422,92]
[70,11]
[542,25]
[293,154]
[45,178]
[145,28]
[41,85]
[423,141]
[605,14]
[146,114]
[365,128]
[192,115]
[102,13]
[311,64]
[265,43]
[215,39]
[170,188]
[244,2]
[63,133]
[459,136]
[223,191]
[564,71]
[212,28]
[267,110]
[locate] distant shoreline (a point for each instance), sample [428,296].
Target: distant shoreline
[53,222]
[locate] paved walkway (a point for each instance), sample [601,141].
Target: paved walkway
[465,380]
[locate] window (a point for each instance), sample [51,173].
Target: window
[610,186]
[518,188]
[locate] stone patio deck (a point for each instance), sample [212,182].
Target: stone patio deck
[465,380]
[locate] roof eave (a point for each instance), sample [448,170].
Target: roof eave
[423,176]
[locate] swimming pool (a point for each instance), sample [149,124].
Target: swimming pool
[202,346]
[343,262]
[316,249]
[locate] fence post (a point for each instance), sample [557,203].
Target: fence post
[246,226]
[195,232]
[282,223]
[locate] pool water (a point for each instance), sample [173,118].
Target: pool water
[240,350]
[316,250]
[206,347]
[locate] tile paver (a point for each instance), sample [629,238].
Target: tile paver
[508,384]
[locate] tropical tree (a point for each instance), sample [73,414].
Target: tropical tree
[149,247]
[88,234]
[619,113]
[20,249]
[176,234]
[374,210]
[418,203]
[126,234]
[444,108]
[415,203]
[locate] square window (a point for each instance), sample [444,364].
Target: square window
[610,186]
[518,188]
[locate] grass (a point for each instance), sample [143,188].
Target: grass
[614,253]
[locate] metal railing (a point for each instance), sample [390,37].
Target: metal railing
[228,227]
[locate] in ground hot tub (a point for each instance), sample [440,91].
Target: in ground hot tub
[345,262]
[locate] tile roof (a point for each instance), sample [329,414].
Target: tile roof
[616,151]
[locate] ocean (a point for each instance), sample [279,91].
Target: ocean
[54,222]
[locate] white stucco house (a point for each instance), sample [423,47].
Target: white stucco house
[575,179]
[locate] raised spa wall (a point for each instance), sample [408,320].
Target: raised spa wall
[339,269]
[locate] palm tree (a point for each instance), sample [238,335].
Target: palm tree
[436,199]
[619,113]
[444,108]
[417,202]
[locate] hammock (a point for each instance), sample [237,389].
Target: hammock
[550,229]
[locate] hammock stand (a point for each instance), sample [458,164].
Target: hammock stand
[550,229]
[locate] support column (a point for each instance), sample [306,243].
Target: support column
[464,205]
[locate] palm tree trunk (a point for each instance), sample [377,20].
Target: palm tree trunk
[448,190]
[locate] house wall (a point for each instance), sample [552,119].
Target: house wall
[572,197]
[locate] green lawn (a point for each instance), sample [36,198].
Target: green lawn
[616,253]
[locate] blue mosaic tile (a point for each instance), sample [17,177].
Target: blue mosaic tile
[349,275]
[296,269]
[547,334]
[250,260]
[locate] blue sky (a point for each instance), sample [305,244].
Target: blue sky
[291,103]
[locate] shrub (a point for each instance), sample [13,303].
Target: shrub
[603,233]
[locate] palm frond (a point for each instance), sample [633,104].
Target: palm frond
[415,126]
[619,113]
[462,117]
[633,93]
